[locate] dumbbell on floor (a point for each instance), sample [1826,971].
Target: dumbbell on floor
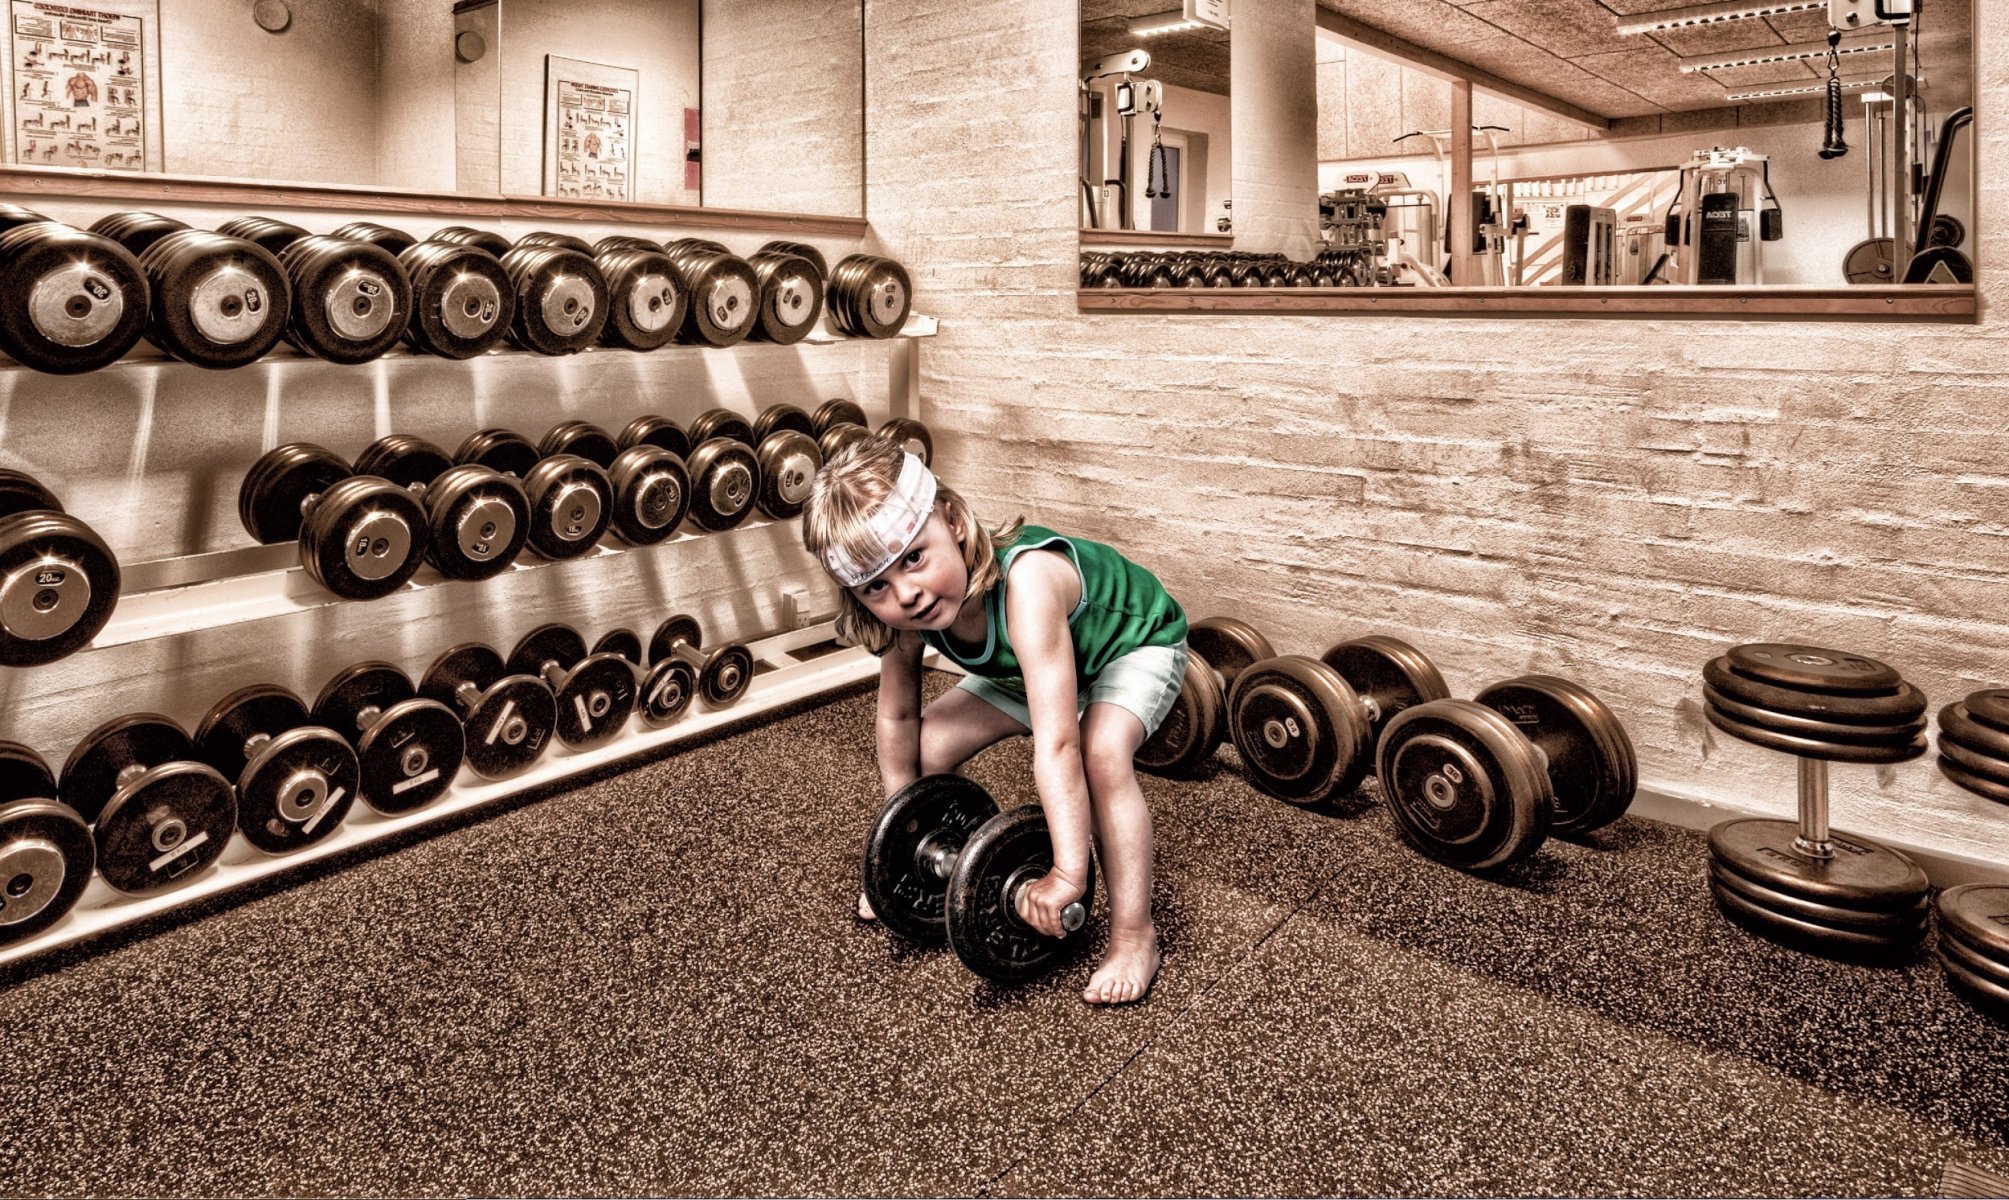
[943,864]
[408,748]
[158,816]
[1218,649]
[1974,943]
[58,580]
[360,536]
[1801,882]
[46,851]
[509,719]
[594,692]
[722,675]
[295,780]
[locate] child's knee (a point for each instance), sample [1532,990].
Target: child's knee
[1110,766]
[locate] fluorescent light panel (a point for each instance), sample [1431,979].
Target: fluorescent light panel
[1797,52]
[1164,22]
[1713,14]
[1810,89]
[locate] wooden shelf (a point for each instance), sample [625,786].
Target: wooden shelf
[1155,239]
[1932,302]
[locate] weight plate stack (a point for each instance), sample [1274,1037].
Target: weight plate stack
[561,299]
[571,503]
[1006,853]
[408,749]
[1593,770]
[136,230]
[912,848]
[351,300]
[791,297]
[461,235]
[652,494]
[582,438]
[365,538]
[834,412]
[462,300]
[480,522]
[721,423]
[502,450]
[777,417]
[725,476]
[788,463]
[911,436]
[621,241]
[273,235]
[1974,743]
[646,301]
[58,580]
[70,301]
[801,250]
[869,296]
[295,780]
[217,302]
[404,459]
[1974,944]
[1844,895]
[159,818]
[395,241]
[564,241]
[509,719]
[660,432]
[46,850]
[722,291]
[594,692]
[1464,786]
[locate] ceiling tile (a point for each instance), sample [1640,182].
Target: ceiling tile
[1566,28]
[1432,24]
[1652,73]
[1720,38]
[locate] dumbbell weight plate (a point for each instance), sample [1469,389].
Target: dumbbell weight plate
[983,925]
[837,437]
[487,239]
[478,522]
[721,423]
[1813,727]
[677,630]
[791,298]
[1984,766]
[1902,922]
[1976,961]
[564,241]
[596,694]
[218,302]
[624,642]
[837,412]
[646,301]
[777,417]
[136,231]
[511,719]
[1956,721]
[1389,671]
[666,691]
[788,465]
[800,250]
[1987,994]
[502,450]
[1192,730]
[656,431]
[365,538]
[58,585]
[403,459]
[1905,705]
[561,299]
[351,300]
[1808,935]
[1813,668]
[727,673]
[1978,784]
[295,785]
[1299,729]
[571,503]
[1978,913]
[24,775]
[70,301]
[725,476]
[1592,768]
[582,438]
[873,294]
[409,755]
[620,241]
[273,235]
[911,848]
[724,295]
[462,299]
[1990,707]
[911,436]
[270,498]
[1463,785]
[396,241]
[46,857]
[652,492]
[161,828]
[1896,751]
[1863,875]
[21,492]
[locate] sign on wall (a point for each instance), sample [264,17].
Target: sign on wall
[589,129]
[77,85]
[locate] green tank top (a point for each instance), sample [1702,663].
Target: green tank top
[1123,607]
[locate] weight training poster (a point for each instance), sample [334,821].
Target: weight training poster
[77,87]
[589,129]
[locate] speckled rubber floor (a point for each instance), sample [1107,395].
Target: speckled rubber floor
[652,985]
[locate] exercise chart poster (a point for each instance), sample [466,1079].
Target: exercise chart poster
[589,139]
[77,87]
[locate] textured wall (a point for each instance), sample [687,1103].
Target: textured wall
[784,85]
[1612,500]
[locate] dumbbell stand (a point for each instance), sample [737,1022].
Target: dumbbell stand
[794,666]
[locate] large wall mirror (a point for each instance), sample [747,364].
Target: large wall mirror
[1538,144]
[1153,116]
[744,104]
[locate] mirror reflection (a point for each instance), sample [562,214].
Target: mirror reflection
[1154,119]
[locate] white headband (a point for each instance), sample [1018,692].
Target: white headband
[892,528]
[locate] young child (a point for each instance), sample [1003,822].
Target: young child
[1062,637]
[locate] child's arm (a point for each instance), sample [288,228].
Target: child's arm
[1044,588]
[899,724]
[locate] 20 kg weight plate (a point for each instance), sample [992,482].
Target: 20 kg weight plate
[1299,729]
[58,585]
[912,850]
[1813,668]
[1464,785]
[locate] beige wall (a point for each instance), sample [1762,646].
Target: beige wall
[1615,501]
[1274,81]
[784,82]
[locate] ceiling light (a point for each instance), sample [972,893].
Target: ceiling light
[1711,14]
[1165,22]
[1810,89]
[1797,52]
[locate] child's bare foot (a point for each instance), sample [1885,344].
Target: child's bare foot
[1128,970]
[865,912]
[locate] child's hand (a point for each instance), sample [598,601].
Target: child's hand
[1041,903]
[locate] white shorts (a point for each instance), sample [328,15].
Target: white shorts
[1144,683]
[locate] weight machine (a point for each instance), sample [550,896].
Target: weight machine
[1130,97]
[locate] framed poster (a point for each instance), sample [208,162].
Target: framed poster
[82,85]
[589,129]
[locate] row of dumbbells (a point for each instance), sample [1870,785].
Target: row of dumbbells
[75,300]
[1812,887]
[365,528]
[150,807]
[1209,269]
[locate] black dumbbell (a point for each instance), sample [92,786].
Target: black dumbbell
[646,301]
[869,296]
[787,463]
[70,301]
[461,235]
[462,299]
[58,579]
[1481,783]
[725,479]
[295,780]
[582,438]
[361,536]
[722,423]
[1218,649]
[135,230]
[622,241]
[396,241]
[656,431]
[791,297]
[509,719]
[1974,943]
[838,424]
[273,235]
[564,241]
[1974,743]
[943,864]
[595,691]
[561,299]
[777,417]
[664,690]
[722,292]
[159,816]
[217,301]
[909,435]
[1306,728]
[351,300]
[46,851]
[722,676]
[571,499]
[478,519]
[408,748]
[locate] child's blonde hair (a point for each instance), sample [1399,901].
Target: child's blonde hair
[847,491]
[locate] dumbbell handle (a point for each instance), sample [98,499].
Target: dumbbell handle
[1072,918]
[1814,840]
